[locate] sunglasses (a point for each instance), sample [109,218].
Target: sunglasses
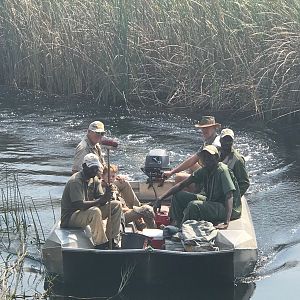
[100,133]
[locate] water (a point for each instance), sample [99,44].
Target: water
[37,141]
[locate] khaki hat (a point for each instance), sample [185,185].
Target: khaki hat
[227,132]
[97,126]
[207,121]
[91,160]
[211,149]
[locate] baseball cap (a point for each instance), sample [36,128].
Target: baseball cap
[211,149]
[227,132]
[97,126]
[91,160]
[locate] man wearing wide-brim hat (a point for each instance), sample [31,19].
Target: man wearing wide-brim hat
[221,201]
[208,127]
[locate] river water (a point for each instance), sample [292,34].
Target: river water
[38,135]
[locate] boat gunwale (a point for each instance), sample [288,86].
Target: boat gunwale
[152,251]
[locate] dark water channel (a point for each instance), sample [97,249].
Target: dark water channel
[37,141]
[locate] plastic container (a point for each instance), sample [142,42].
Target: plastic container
[156,237]
[157,244]
[162,218]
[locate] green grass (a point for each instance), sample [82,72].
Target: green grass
[214,55]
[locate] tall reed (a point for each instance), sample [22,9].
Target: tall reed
[16,220]
[218,55]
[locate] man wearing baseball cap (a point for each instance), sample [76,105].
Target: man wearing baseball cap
[91,143]
[208,127]
[222,200]
[233,159]
[84,203]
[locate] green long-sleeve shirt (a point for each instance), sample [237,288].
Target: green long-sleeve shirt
[236,162]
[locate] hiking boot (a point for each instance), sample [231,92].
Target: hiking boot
[105,246]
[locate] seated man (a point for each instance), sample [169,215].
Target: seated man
[142,215]
[84,203]
[208,127]
[222,200]
[92,144]
[233,159]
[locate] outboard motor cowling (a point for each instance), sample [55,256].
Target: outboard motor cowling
[157,161]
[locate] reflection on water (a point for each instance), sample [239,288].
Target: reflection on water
[38,140]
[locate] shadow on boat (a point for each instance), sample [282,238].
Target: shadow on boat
[212,291]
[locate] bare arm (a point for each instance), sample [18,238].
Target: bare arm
[228,209]
[188,163]
[173,190]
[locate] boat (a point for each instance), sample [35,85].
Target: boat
[69,255]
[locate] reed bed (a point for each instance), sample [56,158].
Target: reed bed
[210,55]
[21,236]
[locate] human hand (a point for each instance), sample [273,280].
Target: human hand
[107,195]
[157,205]
[222,226]
[121,178]
[167,174]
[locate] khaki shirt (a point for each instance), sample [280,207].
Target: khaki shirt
[77,189]
[83,148]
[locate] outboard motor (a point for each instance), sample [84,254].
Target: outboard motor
[157,161]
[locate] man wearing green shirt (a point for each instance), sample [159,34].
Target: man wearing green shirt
[233,159]
[221,201]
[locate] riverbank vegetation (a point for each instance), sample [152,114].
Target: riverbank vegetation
[21,237]
[210,55]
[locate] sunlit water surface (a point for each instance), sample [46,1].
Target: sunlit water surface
[37,142]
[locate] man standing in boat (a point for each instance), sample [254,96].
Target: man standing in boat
[84,203]
[208,127]
[91,143]
[233,159]
[222,200]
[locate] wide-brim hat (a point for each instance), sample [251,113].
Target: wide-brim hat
[207,121]
[97,127]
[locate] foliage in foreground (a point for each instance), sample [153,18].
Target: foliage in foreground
[20,235]
[219,54]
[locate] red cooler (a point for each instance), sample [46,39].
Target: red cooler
[162,218]
[156,237]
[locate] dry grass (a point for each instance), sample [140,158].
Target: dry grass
[219,54]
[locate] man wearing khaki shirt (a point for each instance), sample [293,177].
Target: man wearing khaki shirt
[84,203]
[91,143]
